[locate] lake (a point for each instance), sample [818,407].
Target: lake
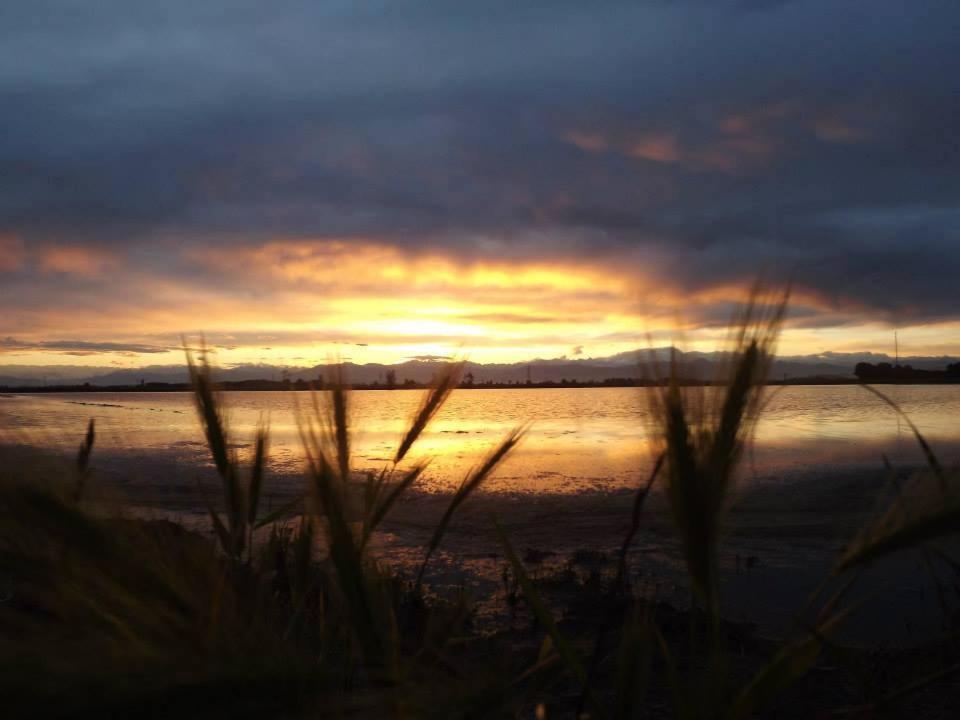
[579,440]
[813,476]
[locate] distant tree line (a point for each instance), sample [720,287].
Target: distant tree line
[887,372]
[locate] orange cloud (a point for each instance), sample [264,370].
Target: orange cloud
[588,142]
[735,155]
[742,143]
[370,267]
[758,119]
[838,130]
[658,147]
[12,252]
[830,124]
[84,262]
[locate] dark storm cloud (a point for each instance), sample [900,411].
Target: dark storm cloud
[711,139]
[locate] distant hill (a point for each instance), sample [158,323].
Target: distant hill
[633,364]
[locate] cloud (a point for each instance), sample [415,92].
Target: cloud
[658,147]
[515,318]
[548,163]
[80,348]
[12,253]
[82,262]
[586,141]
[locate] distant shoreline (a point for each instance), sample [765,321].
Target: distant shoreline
[280,386]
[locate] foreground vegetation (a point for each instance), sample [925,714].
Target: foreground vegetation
[292,613]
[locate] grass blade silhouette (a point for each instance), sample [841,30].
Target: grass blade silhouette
[209,408]
[894,531]
[287,508]
[445,384]
[904,526]
[703,439]
[790,664]
[467,487]
[638,504]
[83,460]
[346,560]
[539,608]
[383,508]
[634,660]
[257,470]
[932,462]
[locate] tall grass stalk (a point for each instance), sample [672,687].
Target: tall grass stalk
[911,520]
[564,647]
[240,499]
[349,512]
[83,460]
[638,502]
[467,487]
[703,433]
[444,384]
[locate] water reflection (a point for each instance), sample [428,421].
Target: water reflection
[581,439]
[813,475]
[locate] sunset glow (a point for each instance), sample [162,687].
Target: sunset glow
[302,302]
[420,360]
[555,198]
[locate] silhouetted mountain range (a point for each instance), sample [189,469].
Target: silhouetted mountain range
[634,364]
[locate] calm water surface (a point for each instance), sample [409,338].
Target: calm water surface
[813,476]
[580,439]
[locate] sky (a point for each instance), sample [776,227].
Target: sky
[372,181]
